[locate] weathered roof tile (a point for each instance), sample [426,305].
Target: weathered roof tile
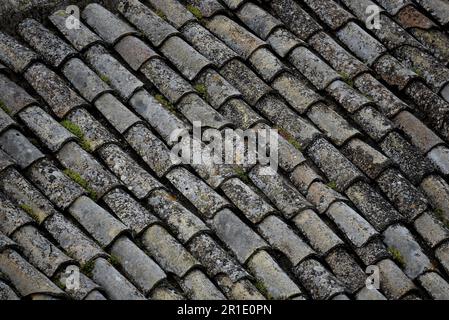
[14,54]
[19,148]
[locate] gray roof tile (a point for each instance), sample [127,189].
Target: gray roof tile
[293,127]
[236,37]
[420,135]
[266,64]
[134,51]
[370,295]
[117,76]
[234,4]
[25,278]
[208,8]
[217,89]
[283,195]
[86,286]
[330,12]
[204,198]
[180,220]
[313,68]
[117,114]
[281,237]
[13,98]
[372,252]
[19,148]
[395,284]
[6,122]
[50,132]
[137,266]
[138,181]
[272,278]
[258,20]
[39,251]
[129,211]
[340,59]
[297,19]
[407,157]
[439,157]
[13,218]
[245,80]
[247,200]
[53,89]
[106,24]
[78,162]
[442,254]
[366,158]
[100,224]
[303,176]
[320,236]
[240,114]
[173,11]
[319,282]
[161,119]
[5,161]
[208,44]
[240,238]
[346,269]
[168,252]
[54,184]
[389,103]
[150,148]
[115,285]
[72,239]
[186,59]
[337,168]
[437,191]
[80,38]
[407,199]
[439,9]
[434,72]
[431,229]
[348,97]
[393,6]
[172,85]
[84,79]
[360,43]
[95,135]
[322,196]
[15,55]
[332,124]
[355,227]
[374,123]
[393,72]
[50,47]
[297,94]
[194,108]
[199,287]
[283,41]
[6,293]
[435,285]
[148,22]
[415,262]
[374,207]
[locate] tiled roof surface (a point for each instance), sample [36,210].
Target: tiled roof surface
[363,114]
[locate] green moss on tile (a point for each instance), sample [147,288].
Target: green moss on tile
[78,132]
[290,139]
[76,177]
[397,256]
[440,215]
[105,79]
[164,102]
[114,260]
[347,78]
[202,90]
[60,284]
[88,268]
[242,175]
[263,289]
[30,211]
[5,108]
[161,15]
[332,185]
[195,11]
